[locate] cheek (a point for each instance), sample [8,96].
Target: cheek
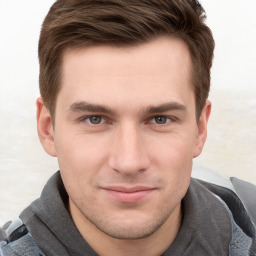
[79,165]
[173,150]
[82,160]
[79,152]
[177,178]
[174,159]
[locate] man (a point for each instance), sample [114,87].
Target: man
[123,106]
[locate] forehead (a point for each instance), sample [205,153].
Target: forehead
[166,51]
[150,71]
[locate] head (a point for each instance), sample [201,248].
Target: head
[126,83]
[75,24]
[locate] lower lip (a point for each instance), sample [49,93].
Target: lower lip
[132,197]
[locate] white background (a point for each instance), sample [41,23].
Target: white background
[230,149]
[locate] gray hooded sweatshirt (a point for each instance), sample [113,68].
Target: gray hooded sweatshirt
[215,223]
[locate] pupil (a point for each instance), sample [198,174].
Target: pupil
[160,119]
[95,119]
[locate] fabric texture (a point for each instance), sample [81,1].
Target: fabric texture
[25,246]
[214,223]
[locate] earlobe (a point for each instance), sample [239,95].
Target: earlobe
[202,129]
[45,128]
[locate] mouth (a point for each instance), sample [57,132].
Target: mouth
[128,194]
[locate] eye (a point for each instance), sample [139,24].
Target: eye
[94,119]
[160,120]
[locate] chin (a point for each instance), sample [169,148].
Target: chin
[130,227]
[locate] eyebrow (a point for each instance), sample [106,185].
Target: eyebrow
[170,106]
[83,106]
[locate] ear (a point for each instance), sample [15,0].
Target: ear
[202,129]
[45,128]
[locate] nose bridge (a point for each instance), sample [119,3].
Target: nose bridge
[128,152]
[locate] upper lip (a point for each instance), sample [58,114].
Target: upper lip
[127,189]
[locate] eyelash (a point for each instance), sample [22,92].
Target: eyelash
[152,120]
[84,118]
[168,119]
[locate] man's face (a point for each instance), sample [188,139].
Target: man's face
[125,134]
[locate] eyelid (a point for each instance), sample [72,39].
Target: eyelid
[103,121]
[106,120]
[170,118]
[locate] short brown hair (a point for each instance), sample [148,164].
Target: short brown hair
[79,23]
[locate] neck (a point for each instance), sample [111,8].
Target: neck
[155,244]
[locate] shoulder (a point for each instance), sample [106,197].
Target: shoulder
[3,235]
[243,190]
[231,190]
[246,192]
[16,240]
[238,197]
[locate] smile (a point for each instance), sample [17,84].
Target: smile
[128,195]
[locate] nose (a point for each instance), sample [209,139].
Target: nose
[128,151]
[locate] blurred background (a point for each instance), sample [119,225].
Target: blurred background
[230,149]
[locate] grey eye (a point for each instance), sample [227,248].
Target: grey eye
[95,119]
[160,119]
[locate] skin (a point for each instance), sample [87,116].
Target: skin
[125,135]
